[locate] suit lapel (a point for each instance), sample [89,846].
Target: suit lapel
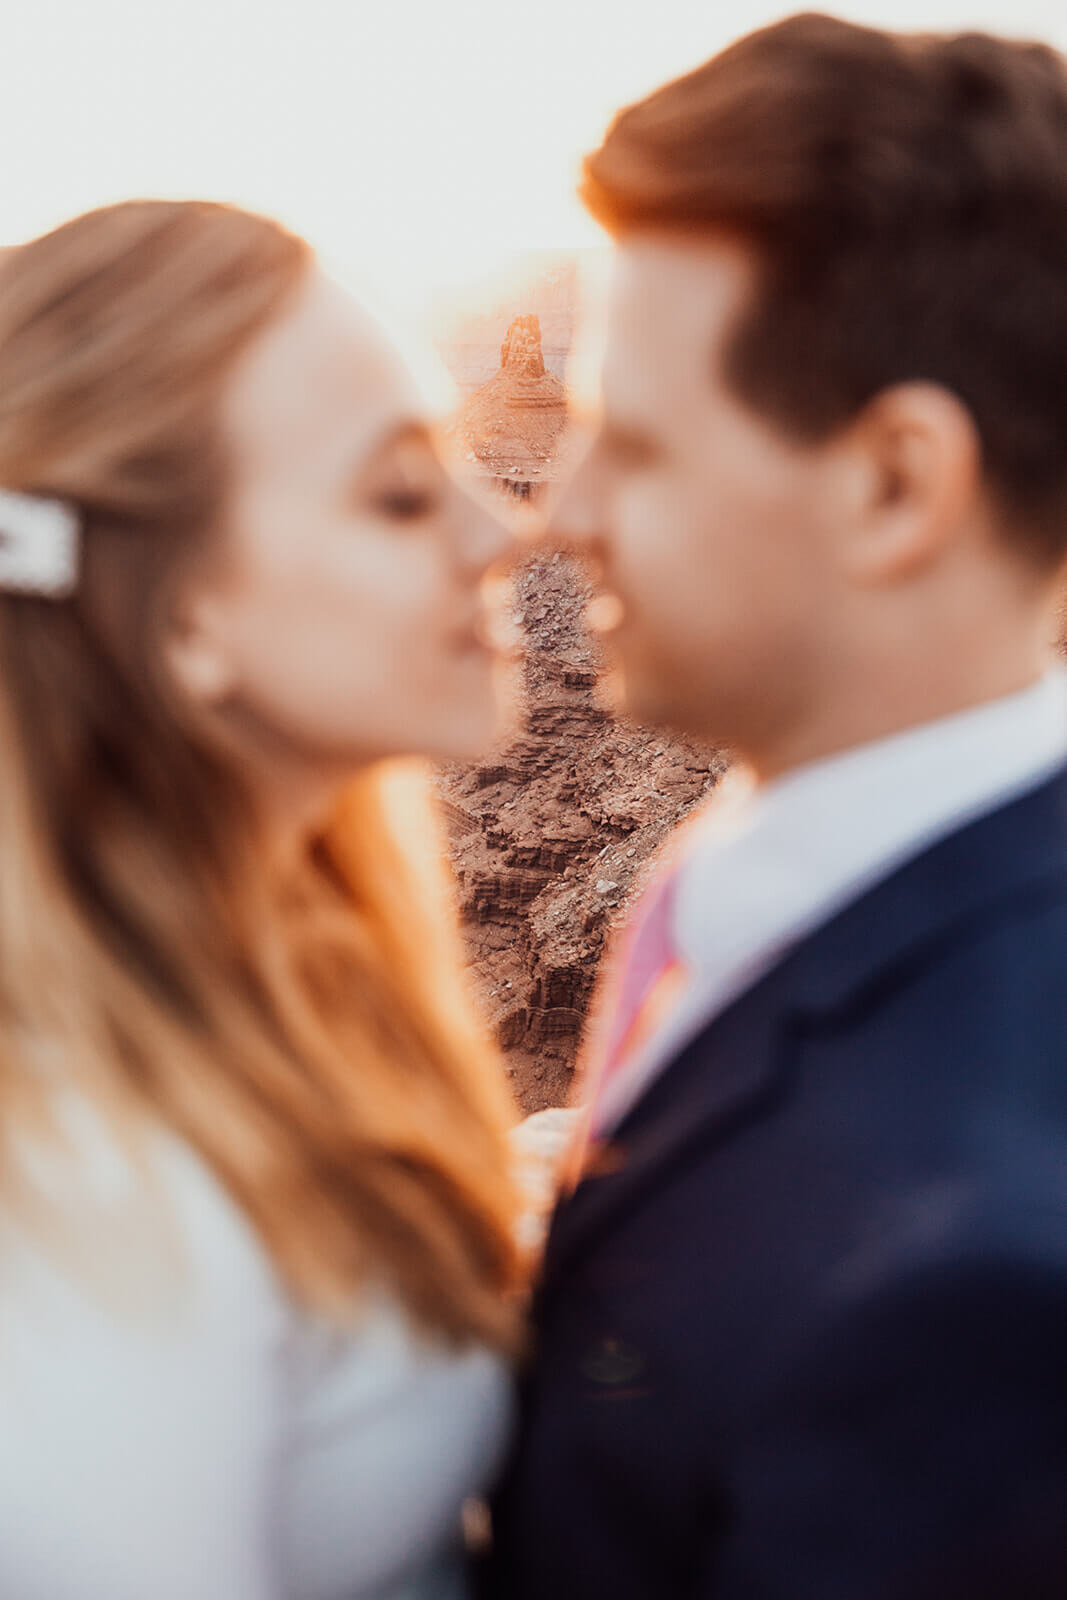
[687,1104]
[736,1069]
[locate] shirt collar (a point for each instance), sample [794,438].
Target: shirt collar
[826,830]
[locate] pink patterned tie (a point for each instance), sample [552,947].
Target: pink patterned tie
[648,977]
[647,953]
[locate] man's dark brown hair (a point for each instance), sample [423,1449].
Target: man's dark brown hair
[906,198]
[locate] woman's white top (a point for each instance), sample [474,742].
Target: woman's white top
[172,1429]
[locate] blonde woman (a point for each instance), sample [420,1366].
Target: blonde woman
[256,1264]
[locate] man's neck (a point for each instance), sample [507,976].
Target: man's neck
[860,715]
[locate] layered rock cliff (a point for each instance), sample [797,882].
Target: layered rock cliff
[550,836]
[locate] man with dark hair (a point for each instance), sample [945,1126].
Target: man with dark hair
[802,1326]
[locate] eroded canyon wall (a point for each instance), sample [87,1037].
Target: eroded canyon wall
[550,837]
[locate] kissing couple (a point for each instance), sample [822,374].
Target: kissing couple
[799,1330]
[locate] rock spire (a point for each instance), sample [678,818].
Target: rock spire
[512,426]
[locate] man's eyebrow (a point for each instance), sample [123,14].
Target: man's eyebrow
[625,438]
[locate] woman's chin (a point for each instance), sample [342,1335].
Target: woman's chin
[467,744]
[472,731]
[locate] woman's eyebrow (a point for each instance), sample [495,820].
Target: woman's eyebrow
[369,459]
[409,430]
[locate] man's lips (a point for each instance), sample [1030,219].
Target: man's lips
[605,613]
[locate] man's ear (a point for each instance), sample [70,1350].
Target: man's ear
[195,652]
[916,481]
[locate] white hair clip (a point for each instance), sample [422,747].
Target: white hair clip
[39,541]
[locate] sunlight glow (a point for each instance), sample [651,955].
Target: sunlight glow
[419,143]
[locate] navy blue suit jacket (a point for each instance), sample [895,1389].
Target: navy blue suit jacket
[809,1340]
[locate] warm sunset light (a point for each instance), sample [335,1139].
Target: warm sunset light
[417,144]
[533,914]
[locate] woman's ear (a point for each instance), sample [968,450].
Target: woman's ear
[194,650]
[917,456]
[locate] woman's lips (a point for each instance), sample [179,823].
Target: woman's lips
[492,634]
[471,641]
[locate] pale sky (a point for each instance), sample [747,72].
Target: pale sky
[417,141]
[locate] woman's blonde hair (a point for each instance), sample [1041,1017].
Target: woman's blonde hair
[308,1035]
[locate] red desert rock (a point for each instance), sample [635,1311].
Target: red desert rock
[551,836]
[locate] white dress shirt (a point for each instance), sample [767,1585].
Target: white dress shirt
[763,869]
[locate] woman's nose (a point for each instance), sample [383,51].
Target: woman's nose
[577,517]
[483,542]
